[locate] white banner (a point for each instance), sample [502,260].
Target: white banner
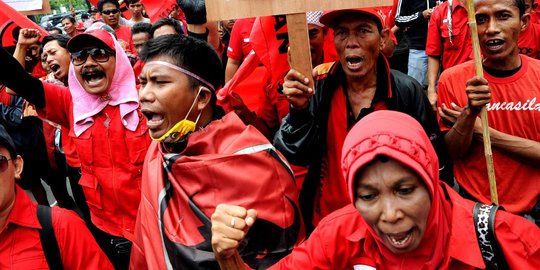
[25,5]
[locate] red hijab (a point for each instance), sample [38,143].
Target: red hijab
[401,137]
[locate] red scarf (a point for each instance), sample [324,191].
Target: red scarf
[402,138]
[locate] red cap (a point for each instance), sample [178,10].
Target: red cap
[98,37]
[329,17]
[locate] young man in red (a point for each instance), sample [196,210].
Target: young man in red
[510,91]
[529,38]
[110,13]
[21,246]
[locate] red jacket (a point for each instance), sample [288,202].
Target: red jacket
[111,161]
[20,247]
[226,162]
[337,242]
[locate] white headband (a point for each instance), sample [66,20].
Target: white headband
[187,72]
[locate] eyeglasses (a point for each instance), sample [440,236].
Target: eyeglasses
[110,11]
[99,55]
[4,163]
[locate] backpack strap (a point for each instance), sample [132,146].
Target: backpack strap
[484,224]
[48,238]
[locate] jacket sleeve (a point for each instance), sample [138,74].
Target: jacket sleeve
[406,17]
[298,135]
[519,239]
[12,114]
[78,248]
[15,77]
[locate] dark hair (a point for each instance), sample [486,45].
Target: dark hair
[167,21]
[103,2]
[85,16]
[54,28]
[192,54]
[129,2]
[60,38]
[520,4]
[70,18]
[141,27]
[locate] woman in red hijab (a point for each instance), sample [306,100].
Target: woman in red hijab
[401,215]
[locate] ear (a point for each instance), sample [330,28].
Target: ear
[18,162]
[205,96]
[385,35]
[525,20]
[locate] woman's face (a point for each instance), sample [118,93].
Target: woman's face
[394,201]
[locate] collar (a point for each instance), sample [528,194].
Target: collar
[463,234]
[456,4]
[24,211]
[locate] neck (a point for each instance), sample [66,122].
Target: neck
[364,83]
[138,18]
[509,63]
[206,117]
[4,214]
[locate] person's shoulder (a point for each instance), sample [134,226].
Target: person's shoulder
[403,81]
[324,69]
[65,218]
[459,70]
[347,218]
[440,11]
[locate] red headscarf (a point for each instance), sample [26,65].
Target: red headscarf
[400,137]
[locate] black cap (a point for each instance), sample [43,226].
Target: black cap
[7,142]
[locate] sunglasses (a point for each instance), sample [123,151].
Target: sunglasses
[110,11]
[99,55]
[4,163]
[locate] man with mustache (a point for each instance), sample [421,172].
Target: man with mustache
[345,91]
[100,109]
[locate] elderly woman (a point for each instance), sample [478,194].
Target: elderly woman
[401,217]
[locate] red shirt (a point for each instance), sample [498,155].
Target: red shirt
[239,46]
[21,247]
[438,43]
[337,242]
[514,109]
[123,35]
[529,41]
[111,161]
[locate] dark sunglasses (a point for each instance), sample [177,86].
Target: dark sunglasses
[99,55]
[4,163]
[110,11]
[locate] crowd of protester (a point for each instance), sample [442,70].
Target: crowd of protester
[373,161]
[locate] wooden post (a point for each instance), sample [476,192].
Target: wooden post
[483,114]
[300,55]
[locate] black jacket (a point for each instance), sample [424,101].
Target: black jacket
[302,136]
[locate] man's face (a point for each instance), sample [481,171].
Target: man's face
[136,9]
[394,202]
[32,55]
[93,15]
[94,76]
[139,40]
[316,43]
[358,43]
[13,168]
[166,96]
[69,27]
[165,30]
[56,59]
[110,15]
[499,25]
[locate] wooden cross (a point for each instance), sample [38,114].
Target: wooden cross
[295,11]
[300,56]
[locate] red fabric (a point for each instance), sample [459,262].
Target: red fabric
[111,161]
[123,36]
[158,9]
[438,42]
[10,21]
[514,109]
[70,151]
[137,70]
[209,160]
[5,98]
[21,248]
[339,240]
[239,43]
[529,41]
[48,134]
[38,71]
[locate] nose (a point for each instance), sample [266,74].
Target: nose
[492,27]
[391,211]
[146,95]
[352,41]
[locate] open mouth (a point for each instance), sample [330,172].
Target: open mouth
[400,240]
[494,44]
[354,62]
[93,77]
[153,119]
[54,67]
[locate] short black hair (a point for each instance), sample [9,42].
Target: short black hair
[129,2]
[192,54]
[167,21]
[103,2]
[60,38]
[141,27]
[54,28]
[520,4]
[69,17]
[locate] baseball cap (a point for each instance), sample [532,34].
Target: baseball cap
[314,17]
[7,142]
[329,17]
[98,37]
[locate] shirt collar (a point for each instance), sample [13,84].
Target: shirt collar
[24,211]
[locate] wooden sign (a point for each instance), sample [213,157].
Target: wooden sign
[46,9]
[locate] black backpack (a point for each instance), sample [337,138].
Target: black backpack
[484,225]
[48,238]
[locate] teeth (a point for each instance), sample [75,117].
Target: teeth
[399,242]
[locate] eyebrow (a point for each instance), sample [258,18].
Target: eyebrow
[403,180]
